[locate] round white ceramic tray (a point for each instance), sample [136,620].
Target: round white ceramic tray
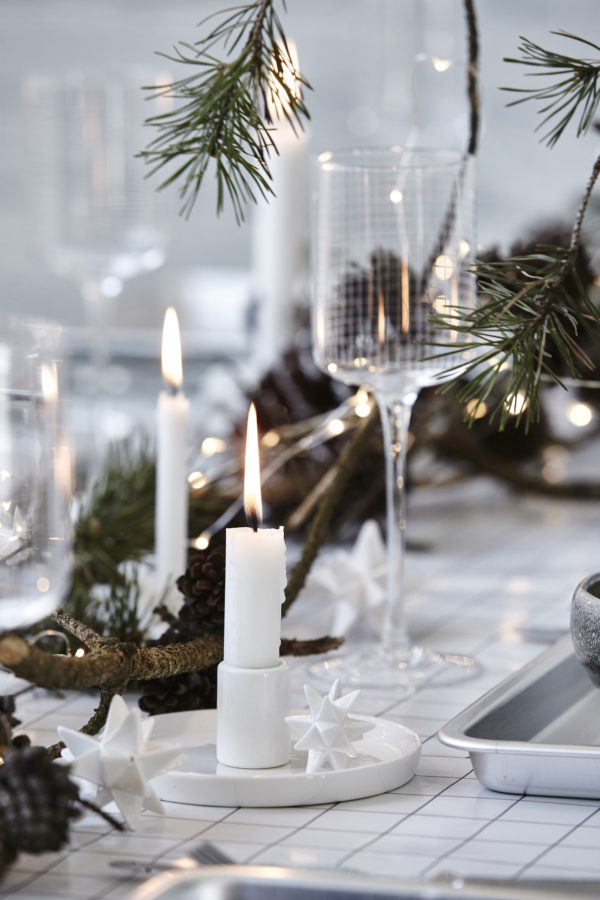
[386,758]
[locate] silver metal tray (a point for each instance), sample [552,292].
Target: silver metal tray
[279,883]
[537,732]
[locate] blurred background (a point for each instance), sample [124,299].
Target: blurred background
[383,71]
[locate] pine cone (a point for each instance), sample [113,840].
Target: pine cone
[37,801]
[203,589]
[191,690]
[295,389]
[7,708]
[202,612]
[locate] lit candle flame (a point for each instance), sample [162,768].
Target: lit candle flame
[252,495]
[49,382]
[171,351]
[381,319]
[289,74]
[405,298]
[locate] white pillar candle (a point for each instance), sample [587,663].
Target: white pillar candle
[255,576]
[254,586]
[171,473]
[280,230]
[253,684]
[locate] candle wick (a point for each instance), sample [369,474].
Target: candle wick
[172,389]
[253,521]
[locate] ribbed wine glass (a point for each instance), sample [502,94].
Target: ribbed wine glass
[393,240]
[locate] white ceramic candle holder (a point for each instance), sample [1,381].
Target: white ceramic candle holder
[252,705]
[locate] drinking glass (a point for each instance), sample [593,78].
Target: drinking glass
[393,240]
[35,475]
[95,218]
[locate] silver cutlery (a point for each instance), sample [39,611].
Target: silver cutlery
[205,854]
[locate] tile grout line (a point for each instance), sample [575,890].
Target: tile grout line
[291,834]
[468,840]
[403,819]
[555,844]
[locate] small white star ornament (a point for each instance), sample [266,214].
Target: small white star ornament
[328,733]
[122,761]
[352,582]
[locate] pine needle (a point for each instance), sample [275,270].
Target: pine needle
[572,91]
[227,108]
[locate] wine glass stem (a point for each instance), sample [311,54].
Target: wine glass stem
[395,419]
[99,312]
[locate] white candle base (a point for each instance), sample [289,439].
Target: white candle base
[388,757]
[251,708]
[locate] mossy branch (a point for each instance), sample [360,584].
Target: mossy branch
[111,665]
[107,666]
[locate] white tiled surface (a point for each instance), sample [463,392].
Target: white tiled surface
[495,582]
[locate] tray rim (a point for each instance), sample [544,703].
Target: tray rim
[215,882]
[453,733]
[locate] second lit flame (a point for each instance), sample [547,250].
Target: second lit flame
[49,382]
[289,74]
[171,351]
[252,495]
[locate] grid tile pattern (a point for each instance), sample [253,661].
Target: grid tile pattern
[495,581]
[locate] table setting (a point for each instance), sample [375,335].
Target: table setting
[321,620]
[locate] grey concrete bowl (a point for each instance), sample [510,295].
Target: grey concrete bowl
[585,625]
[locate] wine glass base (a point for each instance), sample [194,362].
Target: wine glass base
[401,671]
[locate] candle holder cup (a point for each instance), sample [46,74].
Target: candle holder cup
[252,706]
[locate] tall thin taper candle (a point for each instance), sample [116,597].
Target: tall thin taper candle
[280,224]
[171,472]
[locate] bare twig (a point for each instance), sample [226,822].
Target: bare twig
[344,469]
[293,647]
[86,635]
[472,80]
[576,232]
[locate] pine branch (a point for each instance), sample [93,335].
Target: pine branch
[227,108]
[509,336]
[462,443]
[533,303]
[573,90]
[117,527]
[535,307]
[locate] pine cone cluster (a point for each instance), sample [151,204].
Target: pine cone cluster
[294,389]
[202,612]
[191,690]
[37,800]
[203,589]
[7,708]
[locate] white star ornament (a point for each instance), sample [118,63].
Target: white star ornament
[328,733]
[352,582]
[122,761]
